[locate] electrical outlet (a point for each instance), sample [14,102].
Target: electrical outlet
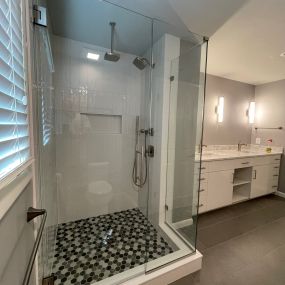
[257,140]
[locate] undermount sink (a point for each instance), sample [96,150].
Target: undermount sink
[246,151]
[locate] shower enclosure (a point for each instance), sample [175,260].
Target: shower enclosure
[120,113]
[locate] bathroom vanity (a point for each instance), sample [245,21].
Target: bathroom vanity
[229,177]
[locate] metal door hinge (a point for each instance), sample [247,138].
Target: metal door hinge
[40,15]
[48,280]
[172,78]
[166,207]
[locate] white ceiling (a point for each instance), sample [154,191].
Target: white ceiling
[246,36]
[88,21]
[247,47]
[203,17]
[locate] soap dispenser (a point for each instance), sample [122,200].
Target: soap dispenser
[269,148]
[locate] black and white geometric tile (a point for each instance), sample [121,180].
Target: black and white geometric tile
[93,249]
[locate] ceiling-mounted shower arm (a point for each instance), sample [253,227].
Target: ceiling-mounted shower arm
[111,55]
[112,24]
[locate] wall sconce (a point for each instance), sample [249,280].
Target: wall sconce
[220,109]
[251,112]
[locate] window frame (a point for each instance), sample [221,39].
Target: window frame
[27,26]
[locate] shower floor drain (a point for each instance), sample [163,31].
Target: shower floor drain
[93,249]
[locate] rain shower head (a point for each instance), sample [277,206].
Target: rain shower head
[141,62]
[111,55]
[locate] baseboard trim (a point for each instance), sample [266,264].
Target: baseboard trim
[280,194]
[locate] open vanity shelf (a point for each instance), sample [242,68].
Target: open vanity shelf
[241,184]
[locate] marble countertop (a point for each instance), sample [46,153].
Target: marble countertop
[232,154]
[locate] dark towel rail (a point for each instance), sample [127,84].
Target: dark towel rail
[278,128]
[31,214]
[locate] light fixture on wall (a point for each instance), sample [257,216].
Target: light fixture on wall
[93,56]
[251,112]
[220,109]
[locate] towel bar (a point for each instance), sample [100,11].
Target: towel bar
[31,214]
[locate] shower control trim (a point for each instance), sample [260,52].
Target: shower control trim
[150,151]
[149,132]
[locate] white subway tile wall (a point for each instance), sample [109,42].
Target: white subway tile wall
[89,147]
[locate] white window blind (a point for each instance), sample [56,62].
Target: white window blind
[14,128]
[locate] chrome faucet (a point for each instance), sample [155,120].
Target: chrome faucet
[240,145]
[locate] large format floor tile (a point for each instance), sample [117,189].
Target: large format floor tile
[243,244]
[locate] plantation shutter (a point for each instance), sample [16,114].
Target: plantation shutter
[14,128]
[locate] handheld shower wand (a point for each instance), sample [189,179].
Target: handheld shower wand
[140,156]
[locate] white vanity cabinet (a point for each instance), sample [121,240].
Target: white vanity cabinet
[229,181]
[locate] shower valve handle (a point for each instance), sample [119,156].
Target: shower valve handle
[150,150]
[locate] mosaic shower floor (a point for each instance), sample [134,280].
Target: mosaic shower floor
[93,249]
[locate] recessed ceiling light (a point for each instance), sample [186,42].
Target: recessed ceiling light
[94,56]
[282,54]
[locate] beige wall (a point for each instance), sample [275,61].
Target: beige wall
[235,126]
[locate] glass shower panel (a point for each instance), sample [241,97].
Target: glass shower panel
[43,121]
[184,141]
[178,80]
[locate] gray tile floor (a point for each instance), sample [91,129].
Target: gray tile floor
[243,244]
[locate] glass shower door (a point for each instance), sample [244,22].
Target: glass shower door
[178,82]
[184,142]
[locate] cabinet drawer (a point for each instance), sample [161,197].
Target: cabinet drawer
[276,168]
[203,187]
[270,159]
[244,162]
[274,188]
[221,165]
[203,167]
[203,178]
[202,207]
[275,180]
[275,159]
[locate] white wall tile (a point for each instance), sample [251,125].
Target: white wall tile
[97,88]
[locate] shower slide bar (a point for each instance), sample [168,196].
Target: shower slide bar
[31,214]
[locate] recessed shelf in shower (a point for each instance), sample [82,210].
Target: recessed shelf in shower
[104,123]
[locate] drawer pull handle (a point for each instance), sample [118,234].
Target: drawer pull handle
[276,167]
[202,168]
[275,175]
[245,162]
[201,179]
[201,190]
[274,186]
[277,159]
[200,205]
[254,177]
